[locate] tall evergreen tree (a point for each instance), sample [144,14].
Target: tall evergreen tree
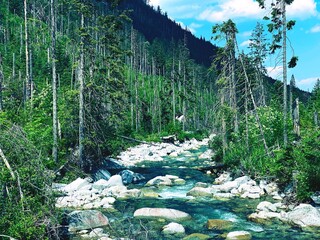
[258,52]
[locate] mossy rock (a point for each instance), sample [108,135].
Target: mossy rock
[218,224]
[197,236]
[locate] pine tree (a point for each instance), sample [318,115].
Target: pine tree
[258,52]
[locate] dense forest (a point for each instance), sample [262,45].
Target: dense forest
[78,78]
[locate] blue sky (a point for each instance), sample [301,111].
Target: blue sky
[200,15]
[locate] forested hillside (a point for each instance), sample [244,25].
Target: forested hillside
[78,78]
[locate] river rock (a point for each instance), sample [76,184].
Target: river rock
[166,213]
[115,180]
[77,184]
[218,224]
[197,236]
[101,174]
[304,215]
[89,219]
[266,206]
[167,180]
[264,216]
[239,235]
[173,229]
[200,192]
[100,184]
[130,177]
[222,196]
[207,154]
[316,198]
[224,177]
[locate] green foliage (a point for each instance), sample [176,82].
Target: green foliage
[293,62]
[307,155]
[25,202]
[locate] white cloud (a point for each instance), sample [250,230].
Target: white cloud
[245,43]
[193,26]
[220,10]
[307,83]
[231,9]
[315,29]
[246,34]
[274,72]
[302,9]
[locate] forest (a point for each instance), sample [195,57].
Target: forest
[79,78]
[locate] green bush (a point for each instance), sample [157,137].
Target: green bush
[26,202]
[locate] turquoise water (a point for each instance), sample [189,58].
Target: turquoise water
[201,209]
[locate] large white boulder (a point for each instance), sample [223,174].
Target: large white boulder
[239,235]
[167,180]
[115,180]
[100,184]
[304,215]
[266,206]
[77,184]
[166,213]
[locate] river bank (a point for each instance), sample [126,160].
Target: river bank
[174,200]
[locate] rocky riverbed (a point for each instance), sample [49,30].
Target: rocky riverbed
[164,196]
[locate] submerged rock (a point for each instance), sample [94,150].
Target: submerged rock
[89,219]
[167,180]
[197,236]
[166,213]
[200,192]
[218,224]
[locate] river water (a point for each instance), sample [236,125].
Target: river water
[201,209]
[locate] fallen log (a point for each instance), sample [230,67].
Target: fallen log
[7,164]
[133,139]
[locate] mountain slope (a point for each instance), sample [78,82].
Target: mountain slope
[154,24]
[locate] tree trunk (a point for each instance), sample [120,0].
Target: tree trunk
[284,65]
[1,82]
[224,128]
[296,119]
[254,103]
[81,100]
[173,94]
[184,107]
[246,113]
[7,164]
[316,119]
[27,81]
[54,83]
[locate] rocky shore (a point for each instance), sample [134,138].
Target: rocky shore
[87,199]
